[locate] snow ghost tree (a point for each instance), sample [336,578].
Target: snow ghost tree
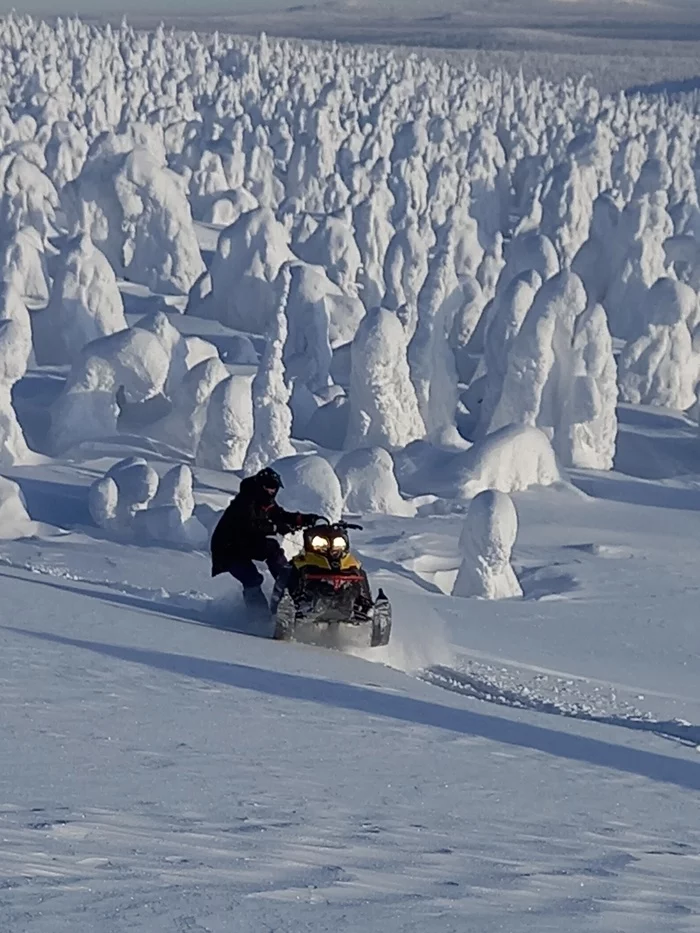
[29,198]
[560,374]
[597,260]
[85,304]
[432,362]
[405,270]
[369,483]
[527,252]
[643,229]
[504,318]
[136,212]
[183,426]
[661,365]
[66,152]
[307,351]
[24,263]
[332,245]
[592,434]
[15,350]
[383,406]
[486,544]
[468,317]
[242,291]
[272,416]
[229,426]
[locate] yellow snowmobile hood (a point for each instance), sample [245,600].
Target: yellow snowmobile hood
[320,561]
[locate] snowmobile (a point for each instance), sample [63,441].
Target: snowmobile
[325,587]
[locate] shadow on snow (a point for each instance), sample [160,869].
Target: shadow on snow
[651,765]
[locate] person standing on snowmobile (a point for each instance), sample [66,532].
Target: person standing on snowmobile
[244,534]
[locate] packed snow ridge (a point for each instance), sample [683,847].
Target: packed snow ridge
[437,267]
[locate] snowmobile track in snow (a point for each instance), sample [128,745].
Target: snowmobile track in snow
[196,607]
[466,684]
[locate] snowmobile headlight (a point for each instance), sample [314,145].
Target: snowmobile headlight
[319,543]
[339,544]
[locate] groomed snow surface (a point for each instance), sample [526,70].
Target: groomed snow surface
[460,308]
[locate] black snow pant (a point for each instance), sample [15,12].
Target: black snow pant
[245,571]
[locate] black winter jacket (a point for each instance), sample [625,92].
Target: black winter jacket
[247,522]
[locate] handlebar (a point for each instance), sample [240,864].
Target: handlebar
[341,524]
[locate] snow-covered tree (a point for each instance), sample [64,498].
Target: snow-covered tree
[229,426]
[560,374]
[383,406]
[85,304]
[661,364]
[486,544]
[15,349]
[272,416]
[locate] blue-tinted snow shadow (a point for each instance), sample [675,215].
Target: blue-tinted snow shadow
[54,503]
[617,487]
[650,765]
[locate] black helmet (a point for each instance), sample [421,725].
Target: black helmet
[269,479]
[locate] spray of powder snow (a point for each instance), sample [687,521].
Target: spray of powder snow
[418,640]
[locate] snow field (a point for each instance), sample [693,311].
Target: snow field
[460,306]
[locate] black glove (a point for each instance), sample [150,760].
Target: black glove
[308,519]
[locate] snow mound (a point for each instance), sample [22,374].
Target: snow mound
[511,459]
[369,483]
[486,544]
[169,517]
[133,365]
[310,485]
[131,502]
[125,489]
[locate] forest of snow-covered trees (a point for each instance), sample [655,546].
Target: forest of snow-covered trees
[460,274]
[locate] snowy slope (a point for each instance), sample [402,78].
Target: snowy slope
[160,773]
[524,764]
